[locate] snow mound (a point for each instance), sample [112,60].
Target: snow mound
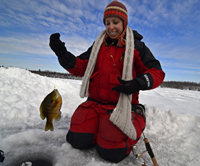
[173,127]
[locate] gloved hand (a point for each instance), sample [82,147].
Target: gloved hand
[65,58]
[57,45]
[127,87]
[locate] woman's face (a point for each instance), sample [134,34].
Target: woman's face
[114,27]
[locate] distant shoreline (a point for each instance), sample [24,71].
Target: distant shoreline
[183,85]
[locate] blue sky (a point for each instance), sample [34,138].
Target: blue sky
[171,29]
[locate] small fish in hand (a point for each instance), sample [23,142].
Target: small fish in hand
[50,108]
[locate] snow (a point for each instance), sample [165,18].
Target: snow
[173,123]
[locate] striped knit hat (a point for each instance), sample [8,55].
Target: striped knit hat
[116,9]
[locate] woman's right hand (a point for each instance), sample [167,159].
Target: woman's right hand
[57,45]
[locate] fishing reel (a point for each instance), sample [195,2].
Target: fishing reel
[1,156]
[138,155]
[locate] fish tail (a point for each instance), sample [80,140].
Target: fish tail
[49,126]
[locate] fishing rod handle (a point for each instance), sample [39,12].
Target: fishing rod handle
[148,147]
[154,161]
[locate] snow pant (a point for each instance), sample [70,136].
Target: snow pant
[90,126]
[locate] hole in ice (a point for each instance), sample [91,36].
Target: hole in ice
[36,162]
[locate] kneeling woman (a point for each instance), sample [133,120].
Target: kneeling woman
[114,69]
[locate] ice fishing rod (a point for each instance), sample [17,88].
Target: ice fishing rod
[148,146]
[146,141]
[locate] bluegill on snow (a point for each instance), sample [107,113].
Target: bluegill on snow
[50,108]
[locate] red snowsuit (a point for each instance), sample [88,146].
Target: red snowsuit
[90,124]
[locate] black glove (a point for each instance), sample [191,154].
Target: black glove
[57,45]
[65,58]
[127,87]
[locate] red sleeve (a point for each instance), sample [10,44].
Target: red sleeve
[80,64]
[79,68]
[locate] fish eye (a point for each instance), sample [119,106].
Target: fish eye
[51,101]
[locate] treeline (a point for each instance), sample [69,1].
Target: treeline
[167,84]
[55,74]
[181,85]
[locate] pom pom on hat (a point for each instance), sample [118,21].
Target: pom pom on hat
[116,9]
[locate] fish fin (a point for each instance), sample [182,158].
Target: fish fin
[41,113]
[49,126]
[42,116]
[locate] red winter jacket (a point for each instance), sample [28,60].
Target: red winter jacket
[146,69]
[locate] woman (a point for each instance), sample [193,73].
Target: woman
[115,68]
